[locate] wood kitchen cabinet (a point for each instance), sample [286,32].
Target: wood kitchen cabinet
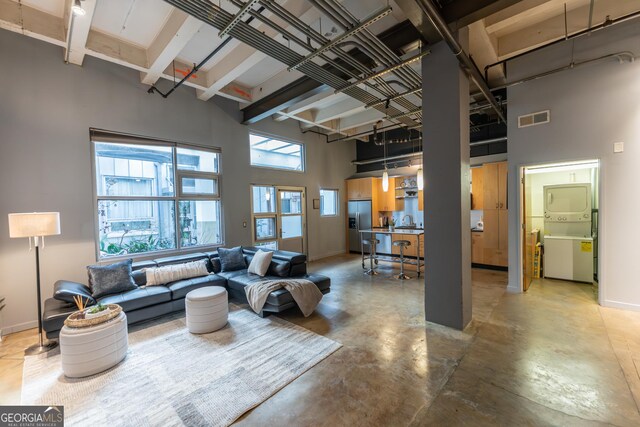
[477,188]
[360,188]
[411,250]
[477,247]
[420,200]
[386,201]
[495,215]
[494,185]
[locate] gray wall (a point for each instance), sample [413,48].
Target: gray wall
[46,110]
[591,108]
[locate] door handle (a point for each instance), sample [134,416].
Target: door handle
[497,205]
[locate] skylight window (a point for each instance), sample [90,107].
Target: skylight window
[273,153]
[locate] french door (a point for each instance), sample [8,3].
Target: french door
[279,218]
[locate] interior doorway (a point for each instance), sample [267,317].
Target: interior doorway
[559,217]
[279,217]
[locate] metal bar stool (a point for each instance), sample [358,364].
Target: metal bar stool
[372,255]
[402,244]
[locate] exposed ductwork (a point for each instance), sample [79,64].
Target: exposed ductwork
[222,19]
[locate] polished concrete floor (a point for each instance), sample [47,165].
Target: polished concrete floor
[551,356]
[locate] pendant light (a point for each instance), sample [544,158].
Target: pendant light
[420,175]
[385,174]
[77,8]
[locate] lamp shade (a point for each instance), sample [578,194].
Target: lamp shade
[385,181]
[34,224]
[420,179]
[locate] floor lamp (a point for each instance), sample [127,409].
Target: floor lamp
[35,226]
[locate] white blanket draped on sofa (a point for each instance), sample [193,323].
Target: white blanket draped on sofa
[304,292]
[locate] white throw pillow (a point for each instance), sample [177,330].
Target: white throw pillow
[260,263]
[171,273]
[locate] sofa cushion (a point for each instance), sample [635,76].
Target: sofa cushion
[139,298]
[279,268]
[110,279]
[229,274]
[181,259]
[141,265]
[232,259]
[140,277]
[65,291]
[260,263]
[181,288]
[55,313]
[174,272]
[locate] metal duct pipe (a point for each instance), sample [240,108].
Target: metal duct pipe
[468,66]
[419,153]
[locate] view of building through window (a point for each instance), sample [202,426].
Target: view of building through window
[328,202]
[139,209]
[272,153]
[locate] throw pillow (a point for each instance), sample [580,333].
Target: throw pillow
[232,259]
[260,262]
[171,273]
[111,279]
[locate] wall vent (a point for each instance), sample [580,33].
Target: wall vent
[534,119]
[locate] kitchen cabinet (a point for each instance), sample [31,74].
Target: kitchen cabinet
[477,247]
[477,188]
[420,200]
[495,215]
[411,250]
[386,201]
[360,188]
[494,185]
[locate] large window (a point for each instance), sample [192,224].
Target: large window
[155,196]
[272,153]
[328,202]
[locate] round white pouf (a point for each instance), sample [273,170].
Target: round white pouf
[207,309]
[87,351]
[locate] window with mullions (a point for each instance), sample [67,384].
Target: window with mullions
[154,196]
[273,153]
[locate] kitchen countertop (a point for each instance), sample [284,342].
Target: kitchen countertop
[413,231]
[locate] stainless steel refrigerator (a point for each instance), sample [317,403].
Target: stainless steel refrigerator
[359,219]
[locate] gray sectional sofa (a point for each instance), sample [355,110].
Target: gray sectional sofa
[145,303]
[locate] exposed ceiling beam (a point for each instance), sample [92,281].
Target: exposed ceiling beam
[512,15]
[174,36]
[457,14]
[78,33]
[243,57]
[340,109]
[554,28]
[395,38]
[306,104]
[31,22]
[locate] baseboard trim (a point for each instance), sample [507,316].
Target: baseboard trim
[621,305]
[19,327]
[327,255]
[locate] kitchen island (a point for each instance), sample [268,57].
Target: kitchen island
[413,253]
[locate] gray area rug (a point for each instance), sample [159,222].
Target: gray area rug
[171,377]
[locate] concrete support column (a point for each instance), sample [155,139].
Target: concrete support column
[445,104]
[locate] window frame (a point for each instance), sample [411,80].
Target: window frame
[98,136]
[337,200]
[303,153]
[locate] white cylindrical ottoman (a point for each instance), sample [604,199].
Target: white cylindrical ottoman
[207,309]
[87,351]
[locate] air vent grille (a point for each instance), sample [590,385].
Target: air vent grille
[534,119]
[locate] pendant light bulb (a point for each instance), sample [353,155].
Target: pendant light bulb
[420,179]
[77,8]
[385,180]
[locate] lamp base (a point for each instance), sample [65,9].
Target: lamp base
[39,349]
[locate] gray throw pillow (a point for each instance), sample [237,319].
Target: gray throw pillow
[111,279]
[232,259]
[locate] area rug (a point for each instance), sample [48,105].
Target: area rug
[171,377]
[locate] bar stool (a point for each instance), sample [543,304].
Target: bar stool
[402,244]
[372,244]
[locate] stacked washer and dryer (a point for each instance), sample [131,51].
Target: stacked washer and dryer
[568,239]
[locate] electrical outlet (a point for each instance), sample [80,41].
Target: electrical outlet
[244,224]
[618,147]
